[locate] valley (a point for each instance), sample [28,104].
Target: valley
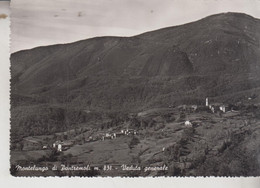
[113,103]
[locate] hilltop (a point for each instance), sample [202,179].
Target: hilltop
[216,57]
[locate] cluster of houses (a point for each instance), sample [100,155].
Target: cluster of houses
[118,134]
[32,143]
[64,145]
[218,107]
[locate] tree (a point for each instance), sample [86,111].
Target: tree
[21,145]
[134,141]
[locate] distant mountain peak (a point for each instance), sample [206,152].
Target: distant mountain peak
[217,56]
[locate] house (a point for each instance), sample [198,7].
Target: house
[214,107]
[188,123]
[114,135]
[224,108]
[44,147]
[55,144]
[110,135]
[130,131]
[59,147]
[91,139]
[194,107]
[62,146]
[107,136]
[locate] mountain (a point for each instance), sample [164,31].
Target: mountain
[215,57]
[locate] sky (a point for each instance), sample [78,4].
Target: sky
[39,23]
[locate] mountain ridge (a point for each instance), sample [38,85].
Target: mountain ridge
[218,14]
[215,56]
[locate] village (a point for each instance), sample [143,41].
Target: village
[147,137]
[63,143]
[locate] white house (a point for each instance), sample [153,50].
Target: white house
[114,135]
[188,123]
[59,147]
[194,107]
[212,108]
[224,108]
[44,147]
[62,145]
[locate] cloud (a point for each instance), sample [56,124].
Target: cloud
[3,16]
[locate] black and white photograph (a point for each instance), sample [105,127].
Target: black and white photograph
[135,88]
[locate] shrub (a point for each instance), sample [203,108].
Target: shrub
[134,141]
